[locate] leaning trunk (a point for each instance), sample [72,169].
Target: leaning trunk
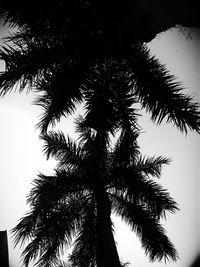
[106,251]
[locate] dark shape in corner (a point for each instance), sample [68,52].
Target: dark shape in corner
[3,249]
[196,262]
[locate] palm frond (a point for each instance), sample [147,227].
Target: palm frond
[160,93]
[151,166]
[126,149]
[53,110]
[137,189]
[54,229]
[152,235]
[55,144]
[60,92]
[65,150]
[42,195]
[94,144]
[85,132]
[68,183]
[22,13]
[84,253]
[24,65]
[24,230]
[11,14]
[32,250]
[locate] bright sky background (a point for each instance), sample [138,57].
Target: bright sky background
[22,159]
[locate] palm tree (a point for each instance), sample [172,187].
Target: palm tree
[93,180]
[49,54]
[77,201]
[54,49]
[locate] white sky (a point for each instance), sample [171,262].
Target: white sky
[21,159]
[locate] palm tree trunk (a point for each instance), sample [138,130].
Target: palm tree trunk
[107,255]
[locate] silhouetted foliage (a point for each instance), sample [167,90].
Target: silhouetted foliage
[123,23]
[68,264]
[54,50]
[64,51]
[93,179]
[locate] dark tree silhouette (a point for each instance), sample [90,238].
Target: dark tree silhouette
[93,179]
[58,52]
[56,46]
[59,82]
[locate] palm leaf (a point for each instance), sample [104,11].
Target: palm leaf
[25,228]
[67,183]
[52,231]
[85,132]
[154,241]
[138,189]
[126,149]
[160,93]
[24,65]
[64,150]
[83,253]
[151,166]
[61,91]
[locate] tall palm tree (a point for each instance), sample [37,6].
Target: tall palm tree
[56,46]
[77,200]
[49,54]
[94,179]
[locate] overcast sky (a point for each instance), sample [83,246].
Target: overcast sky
[22,159]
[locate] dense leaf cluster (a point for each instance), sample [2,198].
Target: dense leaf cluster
[57,45]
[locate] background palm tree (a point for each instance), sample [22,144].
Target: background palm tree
[53,51]
[93,179]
